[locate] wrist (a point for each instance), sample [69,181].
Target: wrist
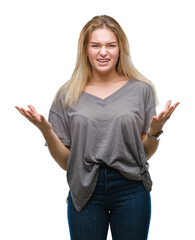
[154,132]
[154,135]
[47,133]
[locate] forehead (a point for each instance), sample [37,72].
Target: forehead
[103,35]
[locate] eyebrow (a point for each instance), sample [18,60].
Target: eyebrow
[99,43]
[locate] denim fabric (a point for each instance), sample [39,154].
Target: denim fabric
[124,204]
[104,130]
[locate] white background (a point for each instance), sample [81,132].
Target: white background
[38,46]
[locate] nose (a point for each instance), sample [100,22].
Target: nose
[103,52]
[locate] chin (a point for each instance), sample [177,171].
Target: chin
[104,70]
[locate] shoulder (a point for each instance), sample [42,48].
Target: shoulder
[58,104]
[145,91]
[141,86]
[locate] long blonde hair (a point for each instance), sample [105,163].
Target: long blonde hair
[83,71]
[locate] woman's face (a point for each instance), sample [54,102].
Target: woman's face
[103,51]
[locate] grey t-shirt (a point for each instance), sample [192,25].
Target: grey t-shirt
[104,131]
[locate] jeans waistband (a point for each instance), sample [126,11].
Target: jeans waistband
[103,165]
[105,168]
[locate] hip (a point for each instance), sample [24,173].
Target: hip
[113,188]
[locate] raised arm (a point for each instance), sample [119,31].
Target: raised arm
[57,149]
[156,125]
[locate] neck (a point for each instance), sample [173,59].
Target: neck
[104,78]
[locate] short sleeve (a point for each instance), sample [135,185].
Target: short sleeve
[59,120]
[150,107]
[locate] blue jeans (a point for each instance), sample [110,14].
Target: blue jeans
[124,204]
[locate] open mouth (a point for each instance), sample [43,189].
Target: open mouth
[103,60]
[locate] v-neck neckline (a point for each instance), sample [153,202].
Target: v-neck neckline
[108,99]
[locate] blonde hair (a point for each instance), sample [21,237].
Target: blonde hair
[83,71]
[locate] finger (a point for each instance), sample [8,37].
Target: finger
[161,115]
[168,113]
[168,104]
[21,110]
[154,120]
[27,114]
[172,109]
[34,116]
[176,104]
[32,108]
[42,117]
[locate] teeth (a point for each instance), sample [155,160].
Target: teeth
[103,60]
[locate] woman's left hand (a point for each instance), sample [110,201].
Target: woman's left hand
[158,122]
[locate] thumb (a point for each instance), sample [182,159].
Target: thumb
[42,118]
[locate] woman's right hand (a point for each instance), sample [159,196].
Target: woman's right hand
[37,119]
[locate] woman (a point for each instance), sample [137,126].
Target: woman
[102,129]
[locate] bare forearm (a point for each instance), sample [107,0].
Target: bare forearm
[150,146]
[156,125]
[57,149]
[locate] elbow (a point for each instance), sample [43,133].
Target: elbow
[148,156]
[64,168]
[150,152]
[61,161]
[150,147]
[62,164]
